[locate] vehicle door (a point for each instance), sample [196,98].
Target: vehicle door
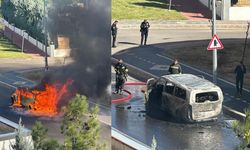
[167,96]
[179,101]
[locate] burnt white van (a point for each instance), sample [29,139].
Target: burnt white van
[185,96]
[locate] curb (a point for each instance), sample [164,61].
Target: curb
[143,76]
[183,24]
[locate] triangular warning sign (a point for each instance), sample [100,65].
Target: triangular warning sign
[215,43]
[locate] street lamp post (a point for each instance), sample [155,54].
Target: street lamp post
[45,36]
[214,51]
[23,40]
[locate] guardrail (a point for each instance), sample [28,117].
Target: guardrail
[127,140]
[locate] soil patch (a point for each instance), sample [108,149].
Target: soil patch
[228,59]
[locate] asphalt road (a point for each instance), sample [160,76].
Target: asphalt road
[169,134]
[10,80]
[150,59]
[129,117]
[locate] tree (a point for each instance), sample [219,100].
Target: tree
[242,130]
[39,135]
[25,14]
[41,141]
[22,142]
[154,144]
[81,126]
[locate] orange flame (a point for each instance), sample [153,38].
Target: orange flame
[42,102]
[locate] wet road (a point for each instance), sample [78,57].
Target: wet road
[151,59]
[130,118]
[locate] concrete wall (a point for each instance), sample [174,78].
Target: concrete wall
[226,12]
[239,13]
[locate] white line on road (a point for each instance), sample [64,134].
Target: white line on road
[234,111]
[8,84]
[200,71]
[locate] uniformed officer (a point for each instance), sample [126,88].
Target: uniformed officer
[114,32]
[144,31]
[240,70]
[175,68]
[121,76]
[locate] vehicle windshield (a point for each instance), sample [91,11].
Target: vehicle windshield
[206,96]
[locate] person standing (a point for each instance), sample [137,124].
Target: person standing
[121,76]
[114,32]
[144,31]
[175,68]
[240,70]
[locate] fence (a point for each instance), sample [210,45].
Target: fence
[40,46]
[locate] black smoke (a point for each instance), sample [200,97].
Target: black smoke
[87,25]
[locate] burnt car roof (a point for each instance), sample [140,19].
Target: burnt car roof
[190,81]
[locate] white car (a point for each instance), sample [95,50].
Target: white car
[185,96]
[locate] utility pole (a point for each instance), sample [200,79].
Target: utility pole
[23,40]
[169,4]
[245,45]
[214,51]
[45,36]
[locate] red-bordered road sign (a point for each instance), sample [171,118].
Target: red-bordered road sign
[215,43]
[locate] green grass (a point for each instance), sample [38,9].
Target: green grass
[9,50]
[143,9]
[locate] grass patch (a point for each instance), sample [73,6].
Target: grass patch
[143,9]
[9,50]
[228,59]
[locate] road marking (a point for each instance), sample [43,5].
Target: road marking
[200,71]
[160,67]
[8,84]
[25,79]
[19,82]
[234,111]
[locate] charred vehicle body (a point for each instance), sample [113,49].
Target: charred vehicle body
[185,96]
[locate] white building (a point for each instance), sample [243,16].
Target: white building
[231,9]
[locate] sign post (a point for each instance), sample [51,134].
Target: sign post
[215,50]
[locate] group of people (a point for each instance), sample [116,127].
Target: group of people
[143,29]
[174,68]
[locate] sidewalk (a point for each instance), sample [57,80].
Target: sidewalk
[196,11]
[184,24]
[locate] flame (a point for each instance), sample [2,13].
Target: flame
[42,102]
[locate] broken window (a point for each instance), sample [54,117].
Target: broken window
[181,93]
[206,96]
[169,88]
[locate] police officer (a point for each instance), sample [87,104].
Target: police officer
[240,70]
[121,76]
[175,68]
[144,31]
[114,32]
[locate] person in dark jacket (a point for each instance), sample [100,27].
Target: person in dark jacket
[175,68]
[144,31]
[114,32]
[240,70]
[121,76]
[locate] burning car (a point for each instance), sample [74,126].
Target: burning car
[41,101]
[185,96]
